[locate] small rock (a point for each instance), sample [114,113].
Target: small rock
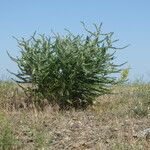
[143,134]
[29,140]
[107,141]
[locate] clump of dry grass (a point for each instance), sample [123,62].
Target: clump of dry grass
[11,96]
[109,125]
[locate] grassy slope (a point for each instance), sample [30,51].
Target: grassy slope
[109,125]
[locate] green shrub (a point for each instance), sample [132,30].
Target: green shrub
[70,70]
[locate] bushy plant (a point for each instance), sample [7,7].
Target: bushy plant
[70,70]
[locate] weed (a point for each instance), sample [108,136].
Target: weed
[69,70]
[7,138]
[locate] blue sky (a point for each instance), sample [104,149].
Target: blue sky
[128,19]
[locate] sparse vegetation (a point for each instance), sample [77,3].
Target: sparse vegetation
[7,139]
[110,123]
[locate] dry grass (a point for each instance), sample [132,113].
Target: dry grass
[109,125]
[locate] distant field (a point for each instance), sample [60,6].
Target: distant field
[113,123]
